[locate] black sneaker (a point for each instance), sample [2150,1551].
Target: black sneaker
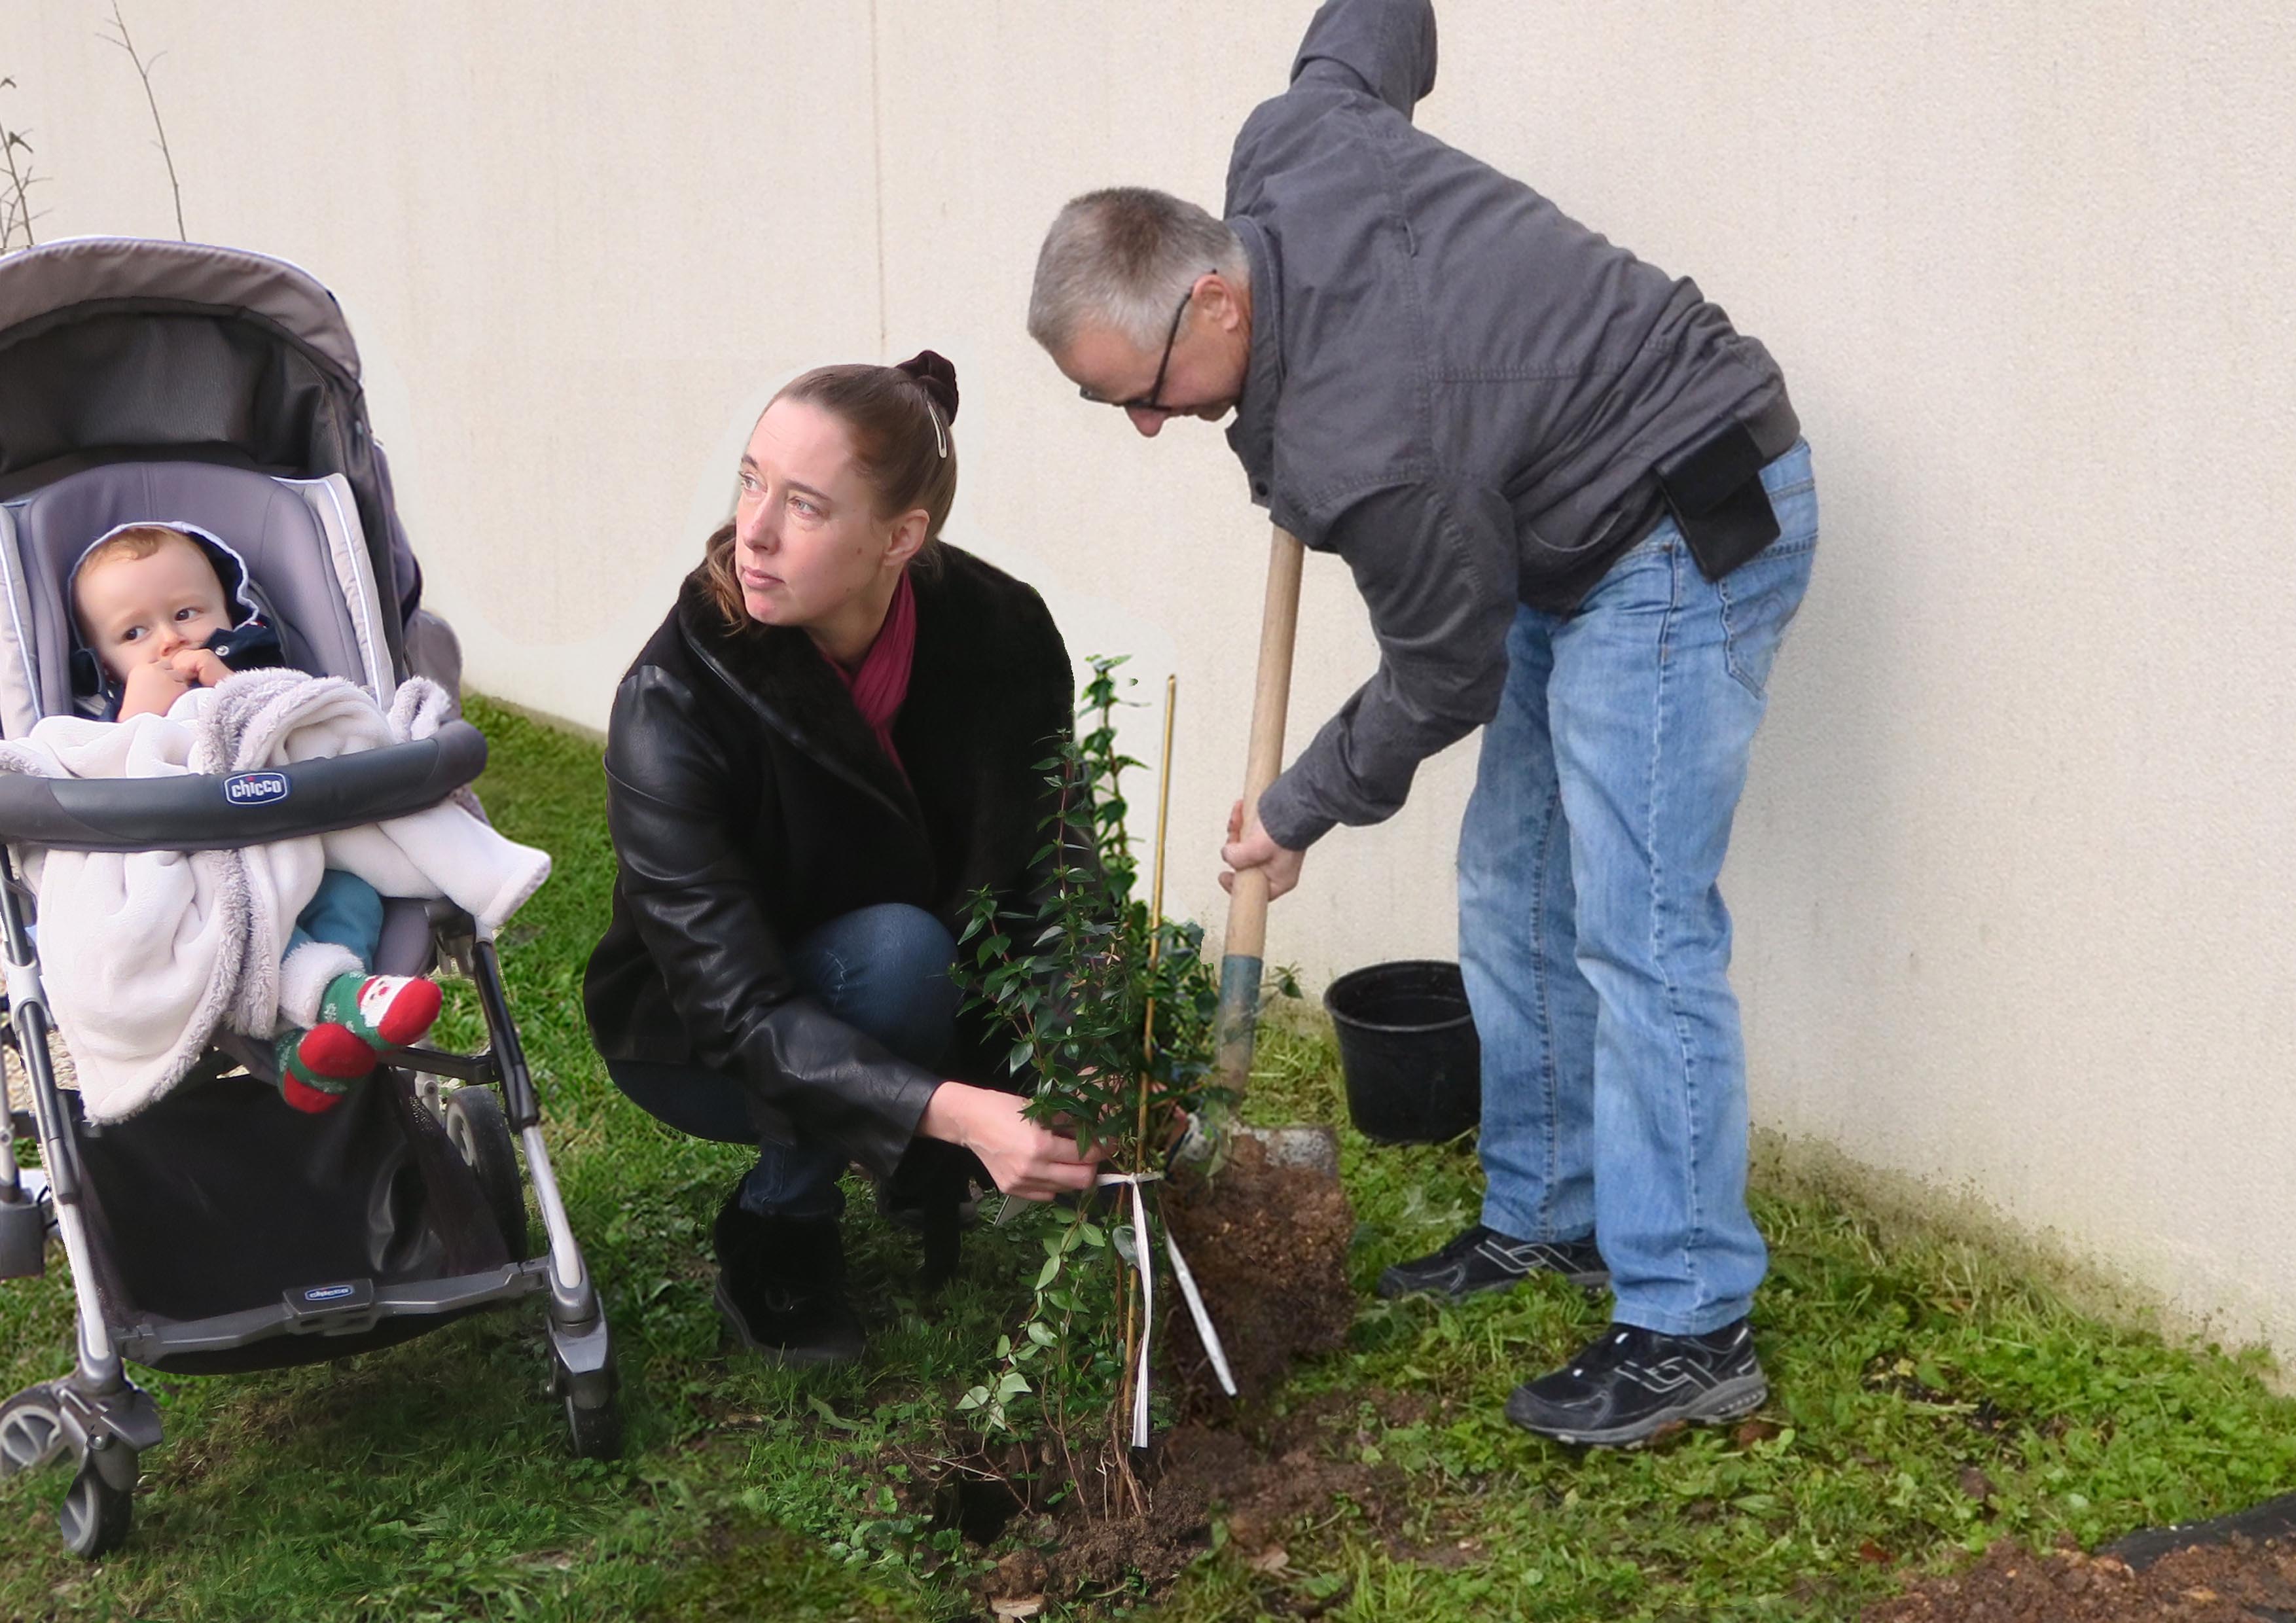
[781,1285]
[1629,1384]
[1484,1260]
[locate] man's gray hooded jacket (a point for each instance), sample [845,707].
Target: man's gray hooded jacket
[1451,385]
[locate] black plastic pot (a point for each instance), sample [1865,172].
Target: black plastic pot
[1408,1050]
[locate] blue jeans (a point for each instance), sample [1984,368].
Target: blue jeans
[1592,931]
[883,971]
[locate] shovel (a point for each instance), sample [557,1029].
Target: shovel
[1236,1029]
[1269,1229]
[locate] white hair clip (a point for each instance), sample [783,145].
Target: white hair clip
[940,440]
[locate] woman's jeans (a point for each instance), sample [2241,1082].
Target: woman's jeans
[1591,925]
[883,971]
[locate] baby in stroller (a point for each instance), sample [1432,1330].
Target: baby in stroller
[161,610]
[164,850]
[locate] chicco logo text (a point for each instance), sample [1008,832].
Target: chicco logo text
[255,788]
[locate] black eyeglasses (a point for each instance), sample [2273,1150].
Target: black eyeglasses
[1150,402]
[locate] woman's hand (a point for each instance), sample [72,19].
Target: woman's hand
[1023,1159]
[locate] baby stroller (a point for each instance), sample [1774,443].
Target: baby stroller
[218,1231]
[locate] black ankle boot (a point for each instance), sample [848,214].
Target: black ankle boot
[781,1284]
[931,1193]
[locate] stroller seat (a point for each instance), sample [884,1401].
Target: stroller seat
[217,1230]
[300,539]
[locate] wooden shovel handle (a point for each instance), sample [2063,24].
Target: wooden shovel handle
[1235,1031]
[1271,701]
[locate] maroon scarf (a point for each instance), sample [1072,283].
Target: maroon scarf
[883,681]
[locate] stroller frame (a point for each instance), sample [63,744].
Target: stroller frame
[96,1414]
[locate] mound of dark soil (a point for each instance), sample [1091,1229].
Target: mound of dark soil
[2239,1581]
[1269,1246]
[1259,1478]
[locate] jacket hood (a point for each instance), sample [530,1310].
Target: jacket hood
[1388,46]
[93,688]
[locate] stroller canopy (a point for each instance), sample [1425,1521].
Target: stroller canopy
[105,270]
[123,350]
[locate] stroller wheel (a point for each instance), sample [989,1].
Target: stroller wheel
[480,1134]
[595,1432]
[97,1510]
[31,1432]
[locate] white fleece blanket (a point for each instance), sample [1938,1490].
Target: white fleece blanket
[144,954]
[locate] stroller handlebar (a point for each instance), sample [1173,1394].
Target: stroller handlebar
[229,810]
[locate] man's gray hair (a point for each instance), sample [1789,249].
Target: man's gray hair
[1121,259]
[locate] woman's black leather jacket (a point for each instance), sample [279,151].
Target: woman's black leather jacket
[749,803]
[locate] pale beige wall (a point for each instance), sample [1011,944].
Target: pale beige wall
[2014,877]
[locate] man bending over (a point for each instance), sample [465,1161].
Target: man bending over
[1577,504]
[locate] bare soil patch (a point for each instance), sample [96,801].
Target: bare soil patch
[2238,1581]
[1260,1475]
[1267,1244]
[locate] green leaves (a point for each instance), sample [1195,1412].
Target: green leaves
[1072,970]
[1105,1014]
[831,1416]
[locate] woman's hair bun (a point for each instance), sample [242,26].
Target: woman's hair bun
[936,374]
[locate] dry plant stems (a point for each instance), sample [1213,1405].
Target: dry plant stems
[144,71]
[1108,1007]
[16,216]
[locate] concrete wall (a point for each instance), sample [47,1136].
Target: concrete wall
[2014,876]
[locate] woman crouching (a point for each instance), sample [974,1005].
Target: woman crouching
[831,744]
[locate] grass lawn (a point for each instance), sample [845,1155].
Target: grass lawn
[1926,1401]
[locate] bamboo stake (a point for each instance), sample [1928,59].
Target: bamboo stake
[1147,1055]
[1156,904]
